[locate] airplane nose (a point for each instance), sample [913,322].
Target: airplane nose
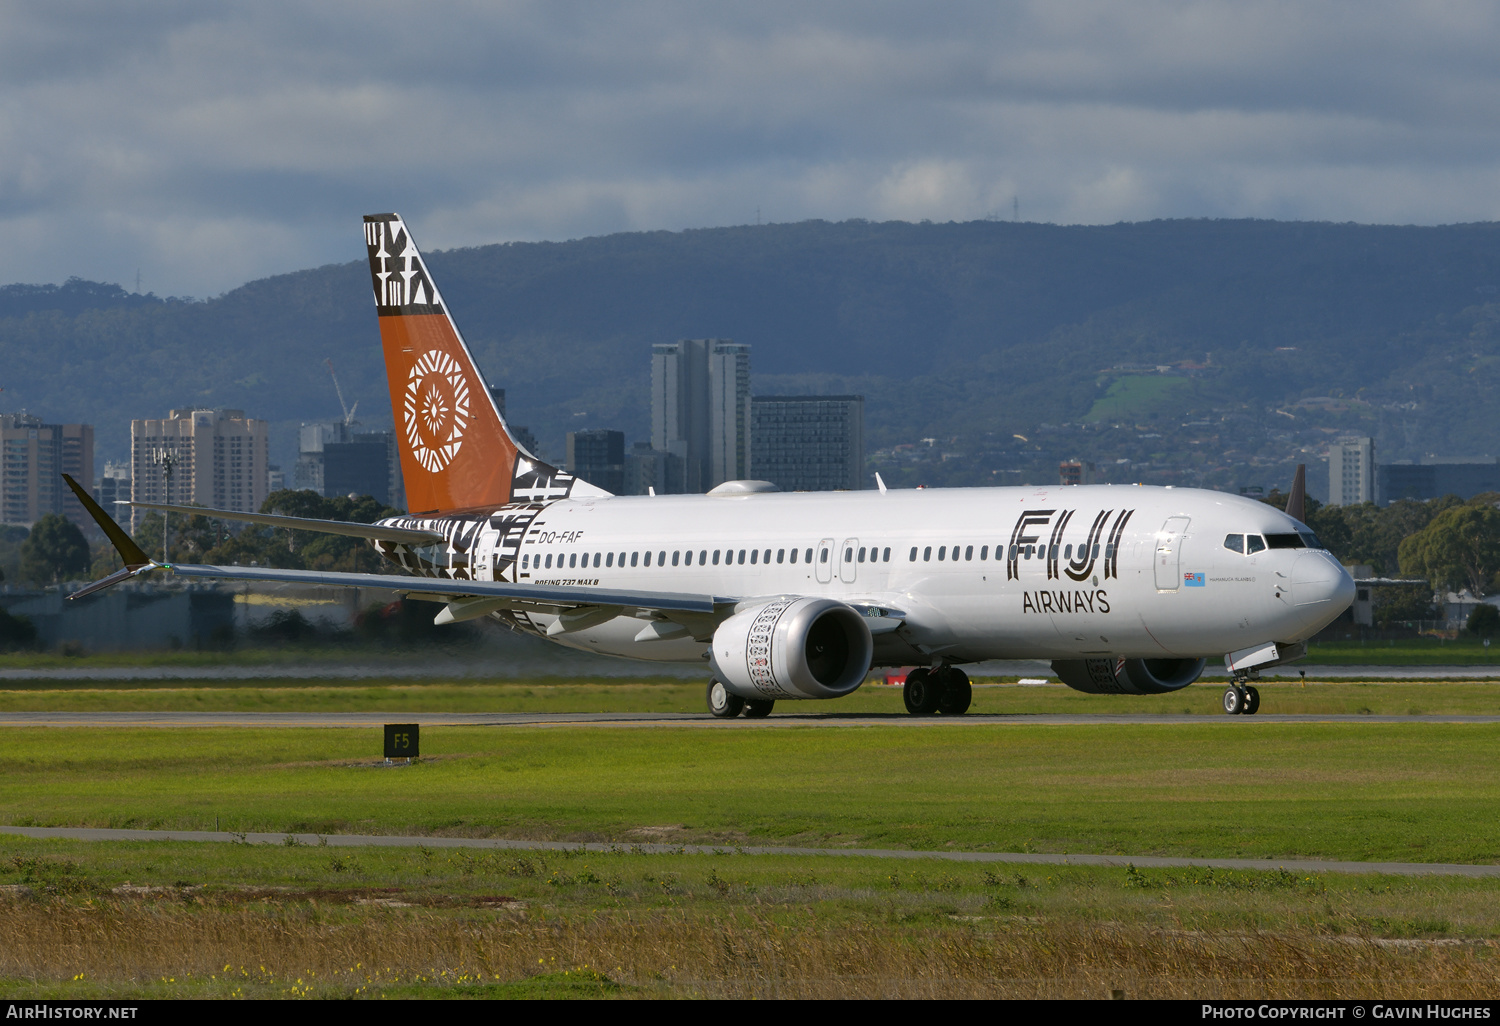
[1318,580]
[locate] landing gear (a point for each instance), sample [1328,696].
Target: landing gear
[724,703]
[946,690]
[921,692]
[956,694]
[758,708]
[1241,698]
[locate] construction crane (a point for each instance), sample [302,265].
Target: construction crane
[348,410]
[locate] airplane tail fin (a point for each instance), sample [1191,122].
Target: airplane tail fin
[456,450]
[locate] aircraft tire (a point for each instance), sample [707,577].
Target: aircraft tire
[920,692]
[1234,700]
[758,708]
[1252,700]
[722,702]
[955,693]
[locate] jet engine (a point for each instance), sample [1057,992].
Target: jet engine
[793,648]
[1128,676]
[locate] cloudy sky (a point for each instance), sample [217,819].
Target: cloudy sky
[208,144]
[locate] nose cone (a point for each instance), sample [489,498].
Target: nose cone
[1321,588]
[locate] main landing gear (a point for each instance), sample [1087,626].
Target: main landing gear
[1241,698]
[726,705]
[946,690]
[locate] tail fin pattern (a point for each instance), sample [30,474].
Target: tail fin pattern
[456,451]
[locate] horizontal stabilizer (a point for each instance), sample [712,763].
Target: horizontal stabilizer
[350,529]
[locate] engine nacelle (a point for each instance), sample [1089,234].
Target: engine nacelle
[1128,676]
[793,648]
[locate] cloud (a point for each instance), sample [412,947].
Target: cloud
[207,144]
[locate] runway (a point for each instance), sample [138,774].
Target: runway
[505,844]
[374,720]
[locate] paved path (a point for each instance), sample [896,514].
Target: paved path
[696,720]
[1017,858]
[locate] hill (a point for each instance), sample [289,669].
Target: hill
[1274,335]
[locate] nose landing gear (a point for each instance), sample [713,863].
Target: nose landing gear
[1241,698]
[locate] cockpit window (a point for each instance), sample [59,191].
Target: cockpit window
[1253,543]
[1234,542]
[1285,541]
[1311,540]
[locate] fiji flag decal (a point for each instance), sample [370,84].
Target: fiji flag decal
[1193,580]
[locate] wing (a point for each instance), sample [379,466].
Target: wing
[349,529]
[575,607]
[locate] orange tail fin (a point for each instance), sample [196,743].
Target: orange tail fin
[456,451]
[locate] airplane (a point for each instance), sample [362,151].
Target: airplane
[797,596]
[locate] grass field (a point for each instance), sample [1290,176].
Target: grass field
[164,919]
[1404,792]
[1395,698]
[170,919]
[1464,650]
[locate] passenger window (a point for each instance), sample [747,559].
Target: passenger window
[1234,542]
[861,553]
[596,561]
[766,557]
[703,557]
[927,554]
[984,552]
[913,557]
[661,558]
[1068,552]
[1096,550]
[942,552]
[622,559]
[523,562]
[849,555]
[647,560]
[780,555]
[633,557]
[716,557]
[806,556]
[1253,543]
[549,561]
[969,552]
[794,556]
[887,557]
[754,556]
[1028,552]
[573,559]
[823,556]
[609,559]
[742,557]
[674,557]
[1109,552]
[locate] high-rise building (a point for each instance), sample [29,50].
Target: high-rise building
[336,460]
[650,470]
[1351,472]
[599,458]
[113,486]
[213,458]
[1075,472]
[700,408]
[809,443]
[1436,476]
[33,456]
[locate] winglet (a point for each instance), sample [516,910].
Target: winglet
[136,561]
[129,551]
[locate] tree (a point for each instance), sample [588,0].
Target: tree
[55,549]
[15,631]
[1460,548]
[1484,620]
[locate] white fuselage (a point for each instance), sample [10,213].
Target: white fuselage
[973,573]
